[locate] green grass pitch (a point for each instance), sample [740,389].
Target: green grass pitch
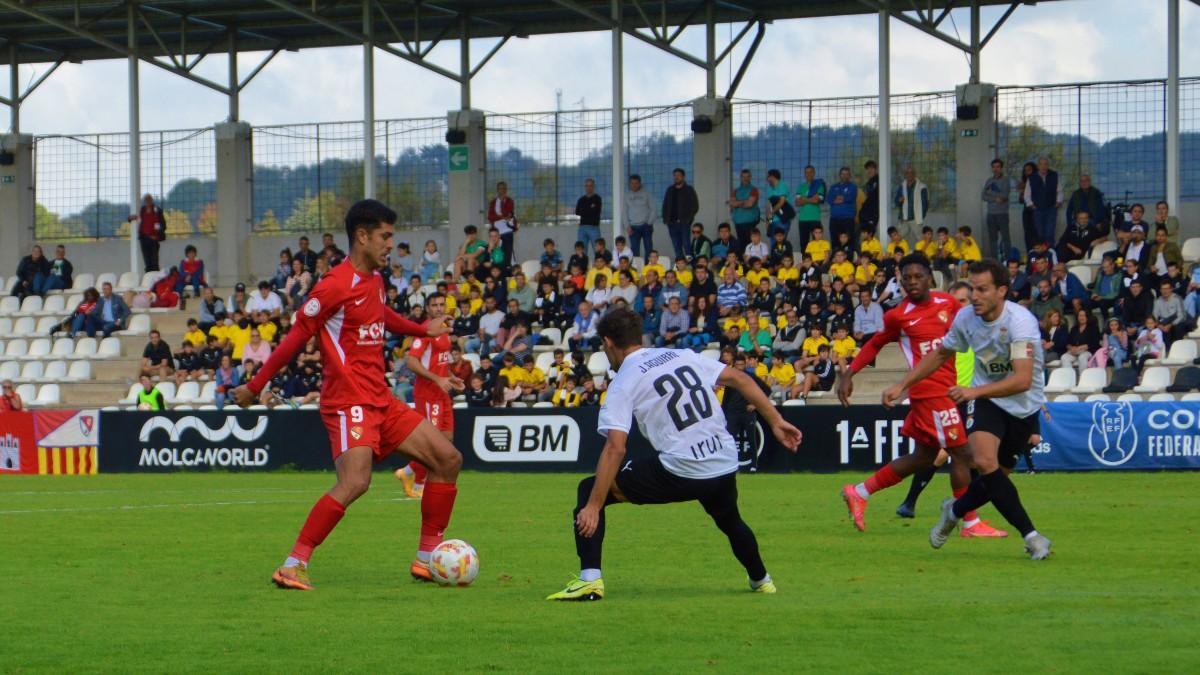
[170,574]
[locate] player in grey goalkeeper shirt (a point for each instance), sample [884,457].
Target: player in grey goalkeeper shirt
[1003,403]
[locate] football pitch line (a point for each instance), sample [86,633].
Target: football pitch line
[139,507]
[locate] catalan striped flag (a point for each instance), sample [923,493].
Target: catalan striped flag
[80,460]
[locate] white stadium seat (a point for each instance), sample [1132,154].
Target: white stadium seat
[167,389]
[25,326]
[1130,398]
[1181,354]
[55,371]
[1097,397]
[553,337]
[49,394]
[1161,396]
[127,282]
[456,405]
[39,348]
[543,404]
[15,349]
[1082,272]
[6,326]
[208,393]
[139,324]
[1154,379]
[207,406]
[474,359]
[257,406]
[1191,396]
[1091,381]
[1098,251]
[183,407]
[54,305]
[714,354]
[9,370]
[530,268]
[83,281]
[188,392]
[30,306]
[28,393]
[793,402]
[1066,398]
[110,347]
[85,348]
[131,397]
[106,278]
[46,324]
[1061,380]
[32,371]
[9,305]
[63,348]
[148,280]
[567,335]
[73,301]
[598,364]
[79,371]
[1191,250]
[543,360]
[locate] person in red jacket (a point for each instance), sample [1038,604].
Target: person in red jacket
[191,272]
[502,216]
[152,229]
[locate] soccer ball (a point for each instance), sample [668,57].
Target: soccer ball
[454,563]
[143,406]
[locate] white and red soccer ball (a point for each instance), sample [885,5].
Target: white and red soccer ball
[454,563]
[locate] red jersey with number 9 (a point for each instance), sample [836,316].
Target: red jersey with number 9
[919,329]
[434,354]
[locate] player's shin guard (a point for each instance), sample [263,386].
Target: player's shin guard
[324,516]
[920,479]
[588,548]
[436,505]
[882,479]
[418,471]
[1004,496]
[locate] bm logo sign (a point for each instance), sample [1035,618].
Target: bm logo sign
[541,438]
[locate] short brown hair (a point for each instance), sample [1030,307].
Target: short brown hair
[990,266]
[621,325]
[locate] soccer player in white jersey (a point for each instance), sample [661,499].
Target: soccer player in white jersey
[1003,404]
[671,394]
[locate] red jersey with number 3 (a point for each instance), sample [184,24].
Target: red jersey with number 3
[919,329]
[434,354]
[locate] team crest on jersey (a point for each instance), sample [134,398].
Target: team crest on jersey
[312,307]
[944,316]
[356,432]
[953,434]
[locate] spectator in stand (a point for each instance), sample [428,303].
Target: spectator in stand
[265,301]
[502,216]
[600,294]
[723,245]
[1029,229]
[156,357]
[1079,237]
[673,325]
[702,286]
[588,208]
[477,395]
[149,397]
[1116,343]
[1168,311]
[679,208]
[431,262]
[10,400]
[188,365]
[402,262]
[868,212]
[460,367]
[868,318]
[843,205]
[1150,344]
[809,196]
[306,255]
[258,350]
[110,313]
[968,248]
[1090,199]
[191,272]
[32,272]
[1107,287]
[818,247]
[585,329]
[551,257]
[330,250]
[298,283]
[227,378]
[1164,253]
[625,288]
[522,292]
[996,191]
[1068,287]
[1083,341]
[1137,248]
[1163,218]
[163,293]
[470,253]
[731,294]
[212,309]
[779,205]
[151,230]
[237,333]
[283,270]
[638,218]
[1054,335]
[484,340]
[912,200]
[1043,193]
[651,320]
[1045,300]
[744,209]
[237,301]
[77,323]
[1136,306]
[61,274]
[701,246]
[757,248]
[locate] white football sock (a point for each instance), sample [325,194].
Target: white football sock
[590,574]
[760,582]
[970,523]
[292,562]
[861,489]
[407,471]
[1031,535]
[423,556]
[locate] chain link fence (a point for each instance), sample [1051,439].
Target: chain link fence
[82,183]
[305,175]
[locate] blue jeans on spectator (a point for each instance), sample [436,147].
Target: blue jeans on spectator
[696,341]
[476,346]
[1117,356]
[403,391]
[105,327]
[677,343]
[680,233]
[43,283]
[588,234]
[186,280]
[584,344]
[429,273]
[1191,304]
[643,234]
[1044,221]
[79,323]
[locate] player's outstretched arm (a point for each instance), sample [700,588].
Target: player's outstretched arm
[606,475]
[928,365]
[866,355]
[785,433]
[1018,382]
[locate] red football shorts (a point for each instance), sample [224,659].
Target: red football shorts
[438,410]
[382,429]
[935,423]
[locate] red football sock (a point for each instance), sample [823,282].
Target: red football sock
[325,515]
[882,479]
[419,471]
[436,505]
[969,515]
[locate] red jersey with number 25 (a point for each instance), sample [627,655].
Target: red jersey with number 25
[347,310]
[434,354]
[919,329]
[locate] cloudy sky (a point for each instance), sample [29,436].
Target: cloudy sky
[1068,41]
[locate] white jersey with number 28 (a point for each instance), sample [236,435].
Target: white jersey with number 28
[670,392]
[1014,335]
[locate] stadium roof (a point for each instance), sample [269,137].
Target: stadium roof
[55,30]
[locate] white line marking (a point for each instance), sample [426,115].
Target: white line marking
[138,507]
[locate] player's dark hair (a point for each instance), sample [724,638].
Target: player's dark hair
[621,325]
[433,296]
[916,258]
[989,266]
[959,285]
[367,214]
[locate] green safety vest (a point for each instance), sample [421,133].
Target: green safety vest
[150,398]
[964,365]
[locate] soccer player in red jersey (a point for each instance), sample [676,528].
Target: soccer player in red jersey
[918,323]
[429,359]
[346,310]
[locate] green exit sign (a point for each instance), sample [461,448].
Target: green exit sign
[8,179]
[970,133]
[460,158]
